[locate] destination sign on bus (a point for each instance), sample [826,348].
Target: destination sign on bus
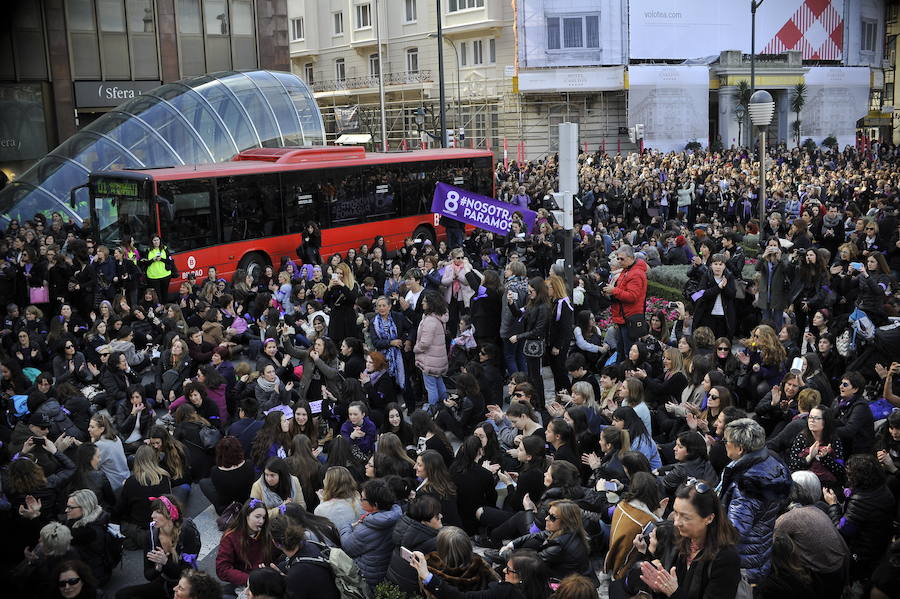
[111,187]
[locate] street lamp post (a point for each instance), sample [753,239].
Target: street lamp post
[754,4]
[443,98]
[762,108]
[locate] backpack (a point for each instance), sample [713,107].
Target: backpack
[210,436]
[347,577]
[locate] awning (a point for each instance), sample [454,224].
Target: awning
[353,138]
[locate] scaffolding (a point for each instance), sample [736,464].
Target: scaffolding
[489,120]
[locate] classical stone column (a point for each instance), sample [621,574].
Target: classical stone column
[728,126]
[783,115]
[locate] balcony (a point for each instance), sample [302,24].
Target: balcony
[352,83]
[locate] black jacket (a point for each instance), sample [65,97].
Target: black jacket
[134,503]
[536,320]
[713,579]
[485,311]
[125,421]
[474,488]
[414,536]
[564,555]
[865,522]
[90,541]
[187,548]
[711,290]
[855,426]
[310,579]
[115,383]
[673,475]
[562,330]
[245,429]
[442,589]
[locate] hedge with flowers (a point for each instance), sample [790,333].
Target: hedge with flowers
[654,303]
[675,276]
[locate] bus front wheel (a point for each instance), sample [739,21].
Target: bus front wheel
[424,232]
[254,264]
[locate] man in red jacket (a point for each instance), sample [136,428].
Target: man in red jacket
[628,292]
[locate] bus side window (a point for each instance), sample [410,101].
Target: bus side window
[249,207]
[415,184]
[193,225]
[381,187]
[302,196]
[348,203]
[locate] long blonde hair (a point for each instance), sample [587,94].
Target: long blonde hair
[769,346]
[676,359]
[557,287]
[147,470]
[346,275]
[339,484]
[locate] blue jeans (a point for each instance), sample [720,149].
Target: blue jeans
[623,342]
[776,316]
[434,386]
[455,237]
[513,358]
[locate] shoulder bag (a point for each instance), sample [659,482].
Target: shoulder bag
[533,348]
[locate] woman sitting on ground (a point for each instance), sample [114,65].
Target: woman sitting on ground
[277,487]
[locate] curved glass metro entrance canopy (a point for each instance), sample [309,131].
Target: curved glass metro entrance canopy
[199,120]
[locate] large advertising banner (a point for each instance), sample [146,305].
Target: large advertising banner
[567,33]
[672,102]
[674,29]
[836,98]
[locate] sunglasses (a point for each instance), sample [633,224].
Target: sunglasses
[845,384]
[69,582]
[701,486]
[552,517]
[723,348]
[510,570]
[716,396]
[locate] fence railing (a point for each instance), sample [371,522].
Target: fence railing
[402,78]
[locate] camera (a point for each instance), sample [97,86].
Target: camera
[672,305]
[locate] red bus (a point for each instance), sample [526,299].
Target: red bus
[249,212]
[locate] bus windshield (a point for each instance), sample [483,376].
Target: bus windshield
[120,208]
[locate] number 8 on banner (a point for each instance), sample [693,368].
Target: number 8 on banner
[451,204]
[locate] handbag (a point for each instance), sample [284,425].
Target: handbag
[228,515]
[39,295]
[533,348]
[637,326]
[744,590]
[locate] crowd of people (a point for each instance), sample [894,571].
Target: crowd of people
[380,416]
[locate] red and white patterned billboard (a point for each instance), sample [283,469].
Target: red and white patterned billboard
[816,29]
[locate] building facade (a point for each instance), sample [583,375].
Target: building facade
[64,63]
[514,69]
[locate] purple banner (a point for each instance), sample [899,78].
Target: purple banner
[480,211]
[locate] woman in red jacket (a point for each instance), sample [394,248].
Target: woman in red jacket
[245,545]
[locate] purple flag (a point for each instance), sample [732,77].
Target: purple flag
[480,211]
